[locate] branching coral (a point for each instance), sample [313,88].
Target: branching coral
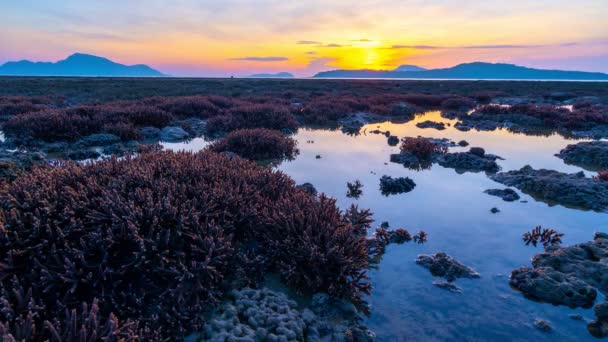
[546,236]
[257,144]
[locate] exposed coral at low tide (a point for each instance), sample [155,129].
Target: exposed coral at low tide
[507,195]
[159,237]
[573,190]
[442,265]
[590,154]
[257,144]
[568,276]
[393,186]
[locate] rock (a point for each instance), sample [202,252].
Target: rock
[393,140]
[463,143]
[409,160]
[309,188]
[508,195]
[494,210]
[601,311]
[569,276]
[150,133]
[469,161]
[390,185]
[576,317]
[354,122]
[572,190]
[592,155]
[543,325]
[173,134]
[599,327]
[100,139]
[546,284]
[431,124]
[442,265]
[449,286]
[478,151]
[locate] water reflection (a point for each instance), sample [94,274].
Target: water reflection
[455,212]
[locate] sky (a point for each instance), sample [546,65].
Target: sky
[241,37]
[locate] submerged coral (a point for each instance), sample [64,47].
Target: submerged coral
[266,315]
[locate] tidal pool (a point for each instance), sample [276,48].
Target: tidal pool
[455,213]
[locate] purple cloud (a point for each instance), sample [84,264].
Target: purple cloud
[260,59]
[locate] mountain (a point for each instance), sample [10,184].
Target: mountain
[277,75]
[407,67]
[477,70]
[78,64]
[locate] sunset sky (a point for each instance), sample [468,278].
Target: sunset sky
[239,37]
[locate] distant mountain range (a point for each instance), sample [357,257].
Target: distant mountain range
[277,75]
[78,64]
[477,70]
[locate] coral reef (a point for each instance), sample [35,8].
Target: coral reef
[156,238]
[431,124]
[442,265]
[508,195]
[392,186]
[589,154]
[257,144]
[566,275]
[476,160]
[573,190]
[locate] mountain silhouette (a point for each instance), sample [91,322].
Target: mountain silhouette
[476,70]
[277,75]
[408,67]
[78,64]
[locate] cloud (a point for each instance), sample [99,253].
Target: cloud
[500,47]
[311,52]
[333,45]
[417,47]
[362,40]
[475,47]
[260,59]
[308,42]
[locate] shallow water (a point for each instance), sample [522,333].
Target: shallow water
[455,213]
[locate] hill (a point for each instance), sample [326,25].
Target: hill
[78,64]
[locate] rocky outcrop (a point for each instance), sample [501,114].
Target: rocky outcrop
[592,155]
[431,124]
[508,195]
[548,285]
[476,160]
[569,276]
[572,190]
[442,265]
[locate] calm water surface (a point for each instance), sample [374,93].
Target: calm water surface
[455,212]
